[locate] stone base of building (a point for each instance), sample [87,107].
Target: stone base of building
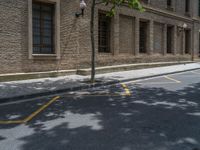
[99,70]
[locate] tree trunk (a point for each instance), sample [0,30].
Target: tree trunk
[92,42]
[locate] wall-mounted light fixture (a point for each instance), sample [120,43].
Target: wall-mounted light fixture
[182,28]
[82,7]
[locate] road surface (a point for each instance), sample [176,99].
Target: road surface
[161,113]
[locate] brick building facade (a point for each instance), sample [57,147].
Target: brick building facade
[45,35]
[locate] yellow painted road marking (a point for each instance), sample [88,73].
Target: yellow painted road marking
[34,114]
[30,117]
[12,122]
[127,91]
[40,109]
[169,78]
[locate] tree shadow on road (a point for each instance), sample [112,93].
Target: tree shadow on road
[151,119]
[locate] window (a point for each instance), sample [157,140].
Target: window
[199,44]
[43,28]
[199,7]
[187,6]
[145,1]
[143,36]
[104,33]
[187,41]
[169,3]
[169,39]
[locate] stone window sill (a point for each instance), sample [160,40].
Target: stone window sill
[143,54]
[50,55]
[187,14]
[104,53]
[169,54]
[44,56]
[170,8]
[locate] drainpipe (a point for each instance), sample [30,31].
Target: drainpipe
[193,38]
[192,53]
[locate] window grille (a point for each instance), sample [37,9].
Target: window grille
[199,7]
[187,6]
[43,28]
[143,37]
[104,33]
[169,3]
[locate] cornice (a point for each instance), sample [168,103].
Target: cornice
[169,14]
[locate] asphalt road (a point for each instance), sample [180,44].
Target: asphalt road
[160,113]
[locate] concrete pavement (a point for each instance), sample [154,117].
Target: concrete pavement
[38,87]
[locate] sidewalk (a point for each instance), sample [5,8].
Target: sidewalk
[16,90]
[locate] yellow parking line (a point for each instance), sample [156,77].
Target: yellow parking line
[169,78]
[11,122]
[34,114]
[40,109]
[127,91]
[30,117]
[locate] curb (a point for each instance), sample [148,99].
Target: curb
[48,93]
[163,74]
[86,86]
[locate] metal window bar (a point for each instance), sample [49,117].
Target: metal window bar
[169,3]
[104,33]
[43,28]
